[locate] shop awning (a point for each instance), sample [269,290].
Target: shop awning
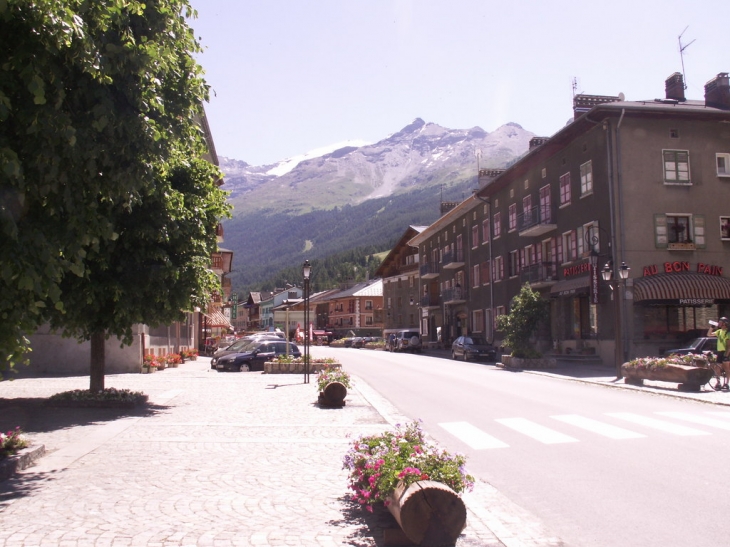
[686,288]
[214,318]
[566,287]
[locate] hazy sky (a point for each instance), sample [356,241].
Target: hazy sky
[289,76]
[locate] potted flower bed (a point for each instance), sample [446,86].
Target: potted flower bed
[16,452]
[679,369]
[190,354]
[172,360]
[295,365]
[150,364]
[332,383]
[106,398]
[417,481]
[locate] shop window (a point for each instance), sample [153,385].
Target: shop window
[676,166]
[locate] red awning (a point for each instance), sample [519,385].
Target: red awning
[684,286]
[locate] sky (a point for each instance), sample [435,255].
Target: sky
[291,76]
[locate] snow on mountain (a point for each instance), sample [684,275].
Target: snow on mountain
[285,166]
[420,154]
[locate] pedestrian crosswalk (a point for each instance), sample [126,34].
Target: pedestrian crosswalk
[568,428]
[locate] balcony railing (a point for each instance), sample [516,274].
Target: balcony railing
[536,221]
[429,270]
[430,301]
[457,294]
[453,259]
[542,274]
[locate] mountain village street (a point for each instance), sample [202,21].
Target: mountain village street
[216,459]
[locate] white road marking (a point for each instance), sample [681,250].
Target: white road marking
[472,436]
[601,428]
[536,431]
[661,425]
[702,420]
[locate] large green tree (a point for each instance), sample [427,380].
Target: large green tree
[98,108]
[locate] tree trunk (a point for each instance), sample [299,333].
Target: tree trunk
[96,380]
[429,513]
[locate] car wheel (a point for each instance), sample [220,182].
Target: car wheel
[243,368]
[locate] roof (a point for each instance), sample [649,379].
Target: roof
[368,288]
[410,232]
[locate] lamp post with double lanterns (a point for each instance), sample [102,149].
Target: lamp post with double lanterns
[618,285]
[306,271]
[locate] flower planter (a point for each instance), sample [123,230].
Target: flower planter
[333,395]
[429,513]
[528,364]
[689,378]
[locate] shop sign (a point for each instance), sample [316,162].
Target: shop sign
[594,284]
[578,269]
[680,267]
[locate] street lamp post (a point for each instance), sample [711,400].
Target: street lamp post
[306,271]
[618,286]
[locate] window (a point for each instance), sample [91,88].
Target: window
[586,178]
[497,225]
[678,229]
[368,319]
[512,217]
[725,228]
[723,165]
[499,310]
[498,273]
[676,166]
[569,246]
[485,273]
[565,189]
[485,231]
[513,266]
[679,232]
[475,275]
[368,304]
[545,212]
[474,236]
[477,321]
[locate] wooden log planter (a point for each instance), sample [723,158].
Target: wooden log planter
[333,395]
[689,378]
[429,513]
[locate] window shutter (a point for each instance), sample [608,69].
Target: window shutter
[699,231]
[660,231]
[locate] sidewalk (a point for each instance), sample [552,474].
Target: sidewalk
[216,459]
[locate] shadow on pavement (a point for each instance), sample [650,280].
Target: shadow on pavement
[32,415]
[368,526]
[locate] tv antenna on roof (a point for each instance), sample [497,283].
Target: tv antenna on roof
[574,84]
[681,53]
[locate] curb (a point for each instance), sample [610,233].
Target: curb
[24,458]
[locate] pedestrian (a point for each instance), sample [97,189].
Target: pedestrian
[722,344]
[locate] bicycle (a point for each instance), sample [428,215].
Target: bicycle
[718,381]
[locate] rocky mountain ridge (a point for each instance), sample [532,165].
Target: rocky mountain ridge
[419,155]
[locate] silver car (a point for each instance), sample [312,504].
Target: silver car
[241,345]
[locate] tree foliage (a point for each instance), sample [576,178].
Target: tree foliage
[528,308]
[98,109]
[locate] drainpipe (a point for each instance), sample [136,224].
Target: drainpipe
[621,252]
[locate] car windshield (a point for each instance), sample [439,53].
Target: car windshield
[475,341]
[697,342]
[238,345]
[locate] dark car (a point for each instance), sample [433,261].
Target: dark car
[698,345]
[241,345]
[255,355]
[473,347]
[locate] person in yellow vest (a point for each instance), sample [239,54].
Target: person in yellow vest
[723,347]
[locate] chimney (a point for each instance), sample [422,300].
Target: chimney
[717,91]
[674,87]
[537,141]
[583,103]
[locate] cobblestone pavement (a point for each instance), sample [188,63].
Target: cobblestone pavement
[216,459]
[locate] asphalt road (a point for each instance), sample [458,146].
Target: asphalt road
[599,466]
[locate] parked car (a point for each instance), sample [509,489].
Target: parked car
[255,355]
[357,342]
[473,347]
[698,345]
[241,345]
[404,340]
